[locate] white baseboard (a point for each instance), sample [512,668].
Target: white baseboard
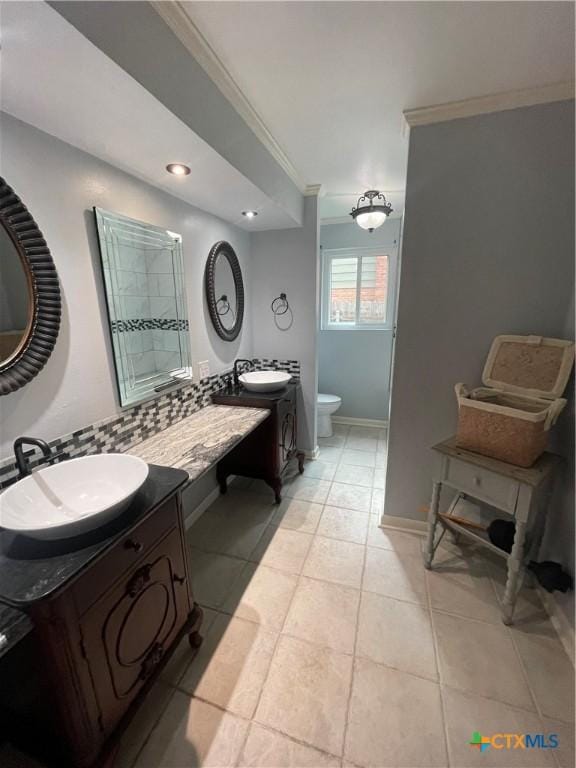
[198,511]
[349,421]
[403,524]
[312,454]
[559,621]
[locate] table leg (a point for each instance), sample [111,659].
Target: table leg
[432,520]
[515,564]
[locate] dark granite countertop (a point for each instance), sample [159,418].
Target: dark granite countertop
[236,395]
[32,570]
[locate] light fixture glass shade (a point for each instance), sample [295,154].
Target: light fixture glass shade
[372,210]
[371,219]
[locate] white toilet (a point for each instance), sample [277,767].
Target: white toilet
[327,405]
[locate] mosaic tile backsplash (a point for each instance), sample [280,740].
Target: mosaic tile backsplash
[121,431]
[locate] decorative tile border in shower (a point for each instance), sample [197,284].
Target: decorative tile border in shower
[120,432]
[149,324]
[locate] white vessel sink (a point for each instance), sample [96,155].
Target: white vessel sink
[72,497]
[264,381]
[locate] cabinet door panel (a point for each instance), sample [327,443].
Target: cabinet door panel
[128,630]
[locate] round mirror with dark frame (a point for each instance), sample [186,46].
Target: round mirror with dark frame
[30,305]
[224,290]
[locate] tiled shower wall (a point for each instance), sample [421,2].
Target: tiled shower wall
[146,293]
[120,432]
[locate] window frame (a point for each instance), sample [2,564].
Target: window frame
[331,254]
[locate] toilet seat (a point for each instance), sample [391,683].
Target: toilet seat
[328,399]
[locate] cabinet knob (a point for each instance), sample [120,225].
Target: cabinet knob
[178,579]
[135,545]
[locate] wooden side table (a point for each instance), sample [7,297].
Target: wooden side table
[520,493]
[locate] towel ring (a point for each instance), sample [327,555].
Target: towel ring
[280,305]
[223,305]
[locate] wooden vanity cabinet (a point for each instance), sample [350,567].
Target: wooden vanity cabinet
[267,451]
[104,638]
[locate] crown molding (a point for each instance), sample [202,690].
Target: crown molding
[313,190]
[200,49]
[482,105]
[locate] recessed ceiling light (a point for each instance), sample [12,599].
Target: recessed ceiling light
[178,169]
[249,214]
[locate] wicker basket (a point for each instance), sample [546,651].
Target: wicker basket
[509,419]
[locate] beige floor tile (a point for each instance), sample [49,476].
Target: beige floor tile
[550,674]
[232,527]
[331,453]
[239,483]
[354,497]
[306,694]
[337,561]
[480,658]
[377,505]
[354,475]
[564,753]
[463,588]
[307,489]
[336,441]
[466,713]
[323,470]
[397,634]
[394,575]
[344,524]
[192,733]
[213,576]
[269,749]
[380,479]
[324,613]
[398,541]
[262,595]
[358,458]
[231,666]
[184,653]
[283,549]
[395,720]
[298,515]
[361,431]
[139,729]
[262,489]
[361,443]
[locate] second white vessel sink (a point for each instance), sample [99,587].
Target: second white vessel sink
[72,497]
[264,381]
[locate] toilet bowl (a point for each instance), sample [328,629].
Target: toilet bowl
[327,405]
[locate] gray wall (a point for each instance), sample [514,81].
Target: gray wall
[60,184]
[488,248]
[287,261]
[355,365]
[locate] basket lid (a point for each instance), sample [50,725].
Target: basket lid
[529,365]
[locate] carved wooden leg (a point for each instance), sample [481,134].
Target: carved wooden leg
[300,456]
[276,485]
[432,520]
[194,636]
[515,564]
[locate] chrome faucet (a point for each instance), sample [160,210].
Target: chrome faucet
[22,458]
[237,363]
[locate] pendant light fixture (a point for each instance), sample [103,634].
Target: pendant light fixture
[371,211]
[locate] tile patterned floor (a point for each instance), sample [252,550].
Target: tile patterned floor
[327,643]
